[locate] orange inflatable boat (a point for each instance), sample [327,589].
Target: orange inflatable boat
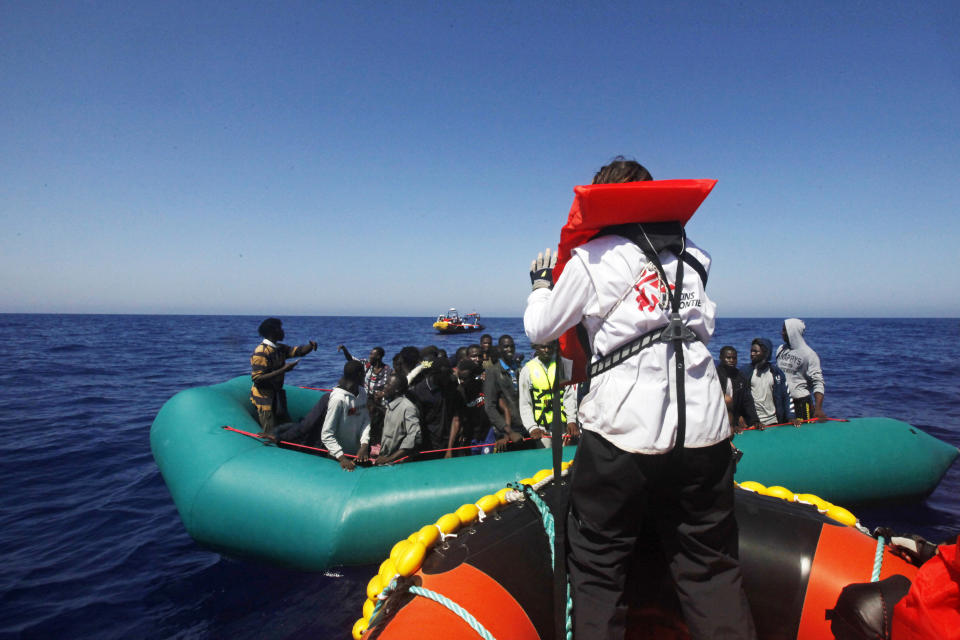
[495,577]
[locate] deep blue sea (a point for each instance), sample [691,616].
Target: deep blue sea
[90,541]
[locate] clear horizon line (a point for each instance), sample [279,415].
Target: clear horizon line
[367,315]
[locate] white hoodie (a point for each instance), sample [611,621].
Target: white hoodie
[347,423]
[799,363]
[610,286]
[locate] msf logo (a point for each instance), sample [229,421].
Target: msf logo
[651,291]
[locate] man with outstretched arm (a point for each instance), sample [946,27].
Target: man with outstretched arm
[268,364]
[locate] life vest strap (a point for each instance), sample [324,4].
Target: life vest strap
[697,266]
[675,330]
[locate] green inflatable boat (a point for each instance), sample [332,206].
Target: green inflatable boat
[239,496]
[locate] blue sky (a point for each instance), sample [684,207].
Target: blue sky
[398,158]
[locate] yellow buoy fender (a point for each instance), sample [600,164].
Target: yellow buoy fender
[779,492]
[467,513]
[388,569]
[841,515]
[399,548]
[427,535]
[540,475]
[817,501]
[374,587]
[412,558]
[359,627]
[488,503]
[448,523]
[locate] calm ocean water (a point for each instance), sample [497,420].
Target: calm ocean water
[90,541]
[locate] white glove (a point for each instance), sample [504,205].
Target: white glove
[541,270]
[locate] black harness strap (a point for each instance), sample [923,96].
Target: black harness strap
[558,429]
[694,264]
[634,232]
[674,332]
[539,403]
[635,346]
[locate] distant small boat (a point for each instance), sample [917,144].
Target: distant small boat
[453,322]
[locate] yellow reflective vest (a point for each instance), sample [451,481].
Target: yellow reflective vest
[541,389]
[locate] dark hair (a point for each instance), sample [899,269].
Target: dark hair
[380,351]
[353,370]
[402,385]
[429,353]
[621,170]
[506,336]
[441,372]
[726,348]
[410,357]
[469,366]
[270,328]
[460,354]
[486,335]
[760,343]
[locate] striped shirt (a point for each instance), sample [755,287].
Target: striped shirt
[268,357]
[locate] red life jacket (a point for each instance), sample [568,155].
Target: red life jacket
[931,609]
[597,206]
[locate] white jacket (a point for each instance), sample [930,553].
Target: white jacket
[611,287]
[347,423]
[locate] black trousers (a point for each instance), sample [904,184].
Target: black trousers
[689,498]
[377,414]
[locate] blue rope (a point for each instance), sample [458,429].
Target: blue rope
[878,559]
[454,607]
[438,598]
[549,529]
[386,591]
[544,514]
[465,615]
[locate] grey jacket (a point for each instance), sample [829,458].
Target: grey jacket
[498,384]
[800,363]
[401,427]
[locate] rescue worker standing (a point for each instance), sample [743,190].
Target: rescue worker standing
[655,434]
[536,395]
